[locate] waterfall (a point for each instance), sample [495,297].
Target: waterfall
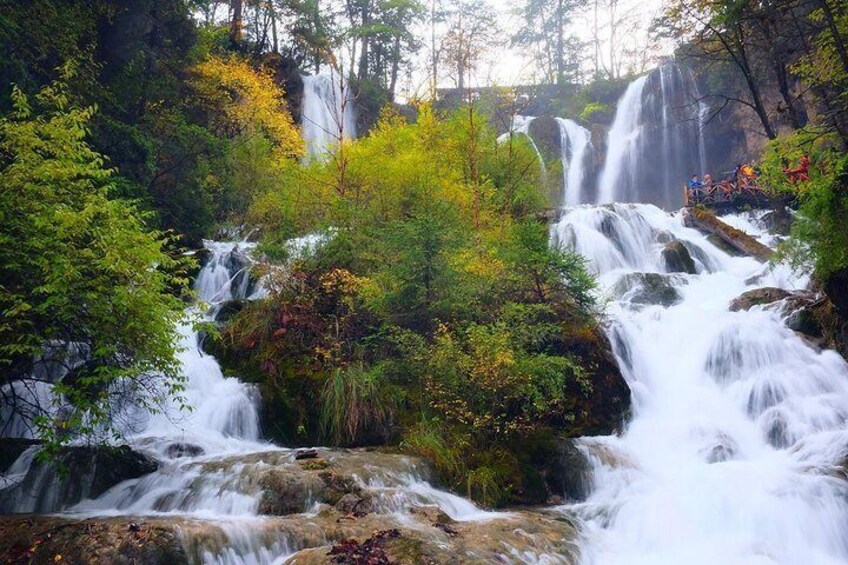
[619,177]
[327,114]
[738,435]
[213,470]
[521,124]
[576,147]
[656,140]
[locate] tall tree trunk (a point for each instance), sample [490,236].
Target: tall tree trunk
[434,56]
[560,64]
[395,67]
[597,41]
[838,40]
[796,118]
[759,107]
[275,45]
[363,55]
[236,23]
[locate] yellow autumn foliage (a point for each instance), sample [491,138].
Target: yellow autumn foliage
[242,101]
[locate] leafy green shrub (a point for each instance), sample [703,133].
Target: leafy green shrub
[80,271]
[595,112]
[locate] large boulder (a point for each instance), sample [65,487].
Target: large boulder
[757,297]
[677,259]
[11,449]
[571,472]
[648,289]
[836,288]
[778,221]
[606,410]
[78,472]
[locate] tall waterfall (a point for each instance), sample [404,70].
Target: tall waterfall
[656,141]
[738,436]
[327,114]
[577,150]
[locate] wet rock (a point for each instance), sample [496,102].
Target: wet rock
[39,540]
[11,449]
[354,505]
[432,514]
[776,430]
[777,221]
[315,464]
[306,454]
[228,310]
[649,289]
[295,489]
[286,492]
[607,409]
[514,538]
[677,259]
[698,254]
[571,476]
[546,136]
[757,297]
[720,453]
[89,472]
[724,448]
[178,450]
[804,321]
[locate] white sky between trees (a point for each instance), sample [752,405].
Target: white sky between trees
[505,65]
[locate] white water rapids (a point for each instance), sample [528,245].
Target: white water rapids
[739,426]
[732,455]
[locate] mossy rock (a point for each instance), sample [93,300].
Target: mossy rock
[42,540]
[757,297]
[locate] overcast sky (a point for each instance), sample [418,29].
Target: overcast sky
[508,66]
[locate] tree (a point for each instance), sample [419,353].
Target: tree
[86,285]
[473,30]
[544,32]
[722,31]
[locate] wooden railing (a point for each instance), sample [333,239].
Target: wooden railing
[725,194]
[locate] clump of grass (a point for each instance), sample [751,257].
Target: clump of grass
[357,405]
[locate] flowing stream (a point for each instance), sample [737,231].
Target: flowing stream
[738,429]
[733,453]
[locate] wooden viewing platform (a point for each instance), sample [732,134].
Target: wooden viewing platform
[726,195]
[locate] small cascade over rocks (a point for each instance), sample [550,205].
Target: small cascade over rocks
[327,114]
[205,481]
[577,157]
[739,427]
[576,153]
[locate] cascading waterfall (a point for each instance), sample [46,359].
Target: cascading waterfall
[327,114]
[619,177]
[577,149]
[738,433]
[656,141]
[212,462]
